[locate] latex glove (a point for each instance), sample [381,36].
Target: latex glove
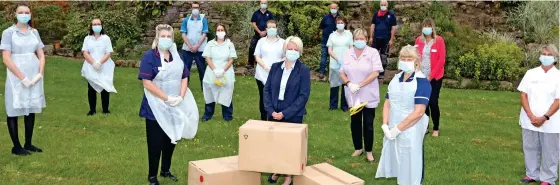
[26,82]
[97,66]
[394,132]
[177,102]
[354,88]
[36,78]
[219,72]
[173,100]
[385,129]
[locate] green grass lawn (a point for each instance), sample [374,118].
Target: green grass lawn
[480,140]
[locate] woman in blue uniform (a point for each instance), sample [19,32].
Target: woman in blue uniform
[168,105]
[22,53]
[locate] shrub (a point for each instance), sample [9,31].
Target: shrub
[538,20]
[240,13]
[300,18]
[464,40]
[498,61]
[50,22]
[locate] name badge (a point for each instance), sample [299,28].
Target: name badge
[434,50]
[415,45]
[161,69]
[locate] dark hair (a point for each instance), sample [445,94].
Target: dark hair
[195,2]
[271,21]
[102,28]
[338,18]
[225,30]
[30,23]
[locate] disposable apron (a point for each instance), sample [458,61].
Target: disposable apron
[20,100]
[212,92]
[340,45]
[194,33]
[180,121]
[403,156]
[103,79]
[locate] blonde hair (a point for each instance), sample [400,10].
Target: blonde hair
[551,48]
[159,28]
[411,51]
[296,40]
[432,24]
[361,32]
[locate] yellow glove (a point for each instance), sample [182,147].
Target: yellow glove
[356,109]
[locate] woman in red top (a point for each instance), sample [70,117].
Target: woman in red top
[432,53]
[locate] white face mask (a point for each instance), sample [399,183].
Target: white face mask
[407,67]
[221,34]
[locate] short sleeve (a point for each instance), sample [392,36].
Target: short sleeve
[6,43]
[207,53]
[108,45]
[254,17]
[423,91]
[557,91]
[350,39]
[232,52]
[524,85]
[377,66]
[146,68]
[204,25]
[330,42]
[393,20]
[258,50]
[40,45]
[184,25]
[85,44]
[186,72]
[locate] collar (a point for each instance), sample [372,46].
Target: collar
[551,70]
[14,26]
[364,52]
[409,78]
[272,41]
[156,52]
[423,38]
[265,11]
[197,18]
[283,66]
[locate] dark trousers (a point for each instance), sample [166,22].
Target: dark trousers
[433,106]
[382,46]
[13,129]
[92,98]
[260,86]
[334,99]
[362,123]
[227,112]
[188,58]
[251,61]
[324,58]
[159,144]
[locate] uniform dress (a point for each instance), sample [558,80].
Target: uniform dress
[340,43]
[22,101]
[220,55]
[540,144]
[270,51]
[403,156]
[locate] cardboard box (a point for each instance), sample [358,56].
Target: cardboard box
[273,147]
[325,173]
[220,171]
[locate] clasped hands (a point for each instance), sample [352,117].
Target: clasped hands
[354,88]
[28,83]
[277,115]
[219,72]
[173,100]
[391,134]
[537,121]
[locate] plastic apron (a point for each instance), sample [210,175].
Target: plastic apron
[340,45]
[21,101]
[180,121]
[223,95]
[403,157]
[103,79]
[194,32]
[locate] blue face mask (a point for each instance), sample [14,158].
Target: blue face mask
[23,18]
[271,32]
[383,8]
[263,6]
[96,28]
[407,67]
[360,44]
[334,11]
[292,55]
[340,26]
[427,31]
[165,43]
[546,60]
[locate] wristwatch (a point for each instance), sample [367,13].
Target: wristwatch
[547,118]
[346,83]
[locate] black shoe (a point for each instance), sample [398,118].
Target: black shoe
[106,112]
[32,148]
[205,119]
[91,113]
[344,110]
[20,151]
[153,180]
[321,76]
[331,109]
[228,119]
[272,181]
[168,175]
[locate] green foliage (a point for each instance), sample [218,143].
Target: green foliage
[50,22]
[301,18]
[464,40]
[178,39]
[151,9]
[538,20]
[376,6]
[497,61]
[120,46]
[240,14]
[312,56]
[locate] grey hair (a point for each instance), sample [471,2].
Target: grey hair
[551,48]
[159,28]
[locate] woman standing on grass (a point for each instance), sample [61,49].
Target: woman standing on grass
[168,104]
[540,120]
[98,67]
[405,122]
[218,84]
[22,53]
[339,42]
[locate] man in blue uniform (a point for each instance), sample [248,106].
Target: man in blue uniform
[327,26]
[383,28]
[259,19]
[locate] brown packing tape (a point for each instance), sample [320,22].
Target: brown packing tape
[329,175]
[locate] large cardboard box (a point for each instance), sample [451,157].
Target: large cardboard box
[220,171]
[273,147]
[325,173]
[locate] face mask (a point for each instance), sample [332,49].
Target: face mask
[271,32]
[360,44]
[263,6]
[546,60]
[340,26]
[333,11]
[292,55]
[427,31]
[383,8]
[165,43]
[96,28]
[23,18]
[407,67]
[195,12]
[221,34]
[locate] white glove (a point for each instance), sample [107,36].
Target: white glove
[385,129]
[354,88]
[219,72]
[394,132]
[97,66]
[177,102]
[26,82]
[36,78]
[173,100]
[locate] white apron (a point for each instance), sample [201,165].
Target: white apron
[212,92]
[21,101]
[403,157]
[103,79]
[194,32]
[340,44]
[180,121]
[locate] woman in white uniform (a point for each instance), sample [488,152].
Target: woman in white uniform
[339,42]
[540,120]
[268,51]
[168,104]
[218,84]
[98,67]
[405,122]
[22,53]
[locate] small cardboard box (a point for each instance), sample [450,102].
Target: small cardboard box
[273,147]
[325,173]
[220,171]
